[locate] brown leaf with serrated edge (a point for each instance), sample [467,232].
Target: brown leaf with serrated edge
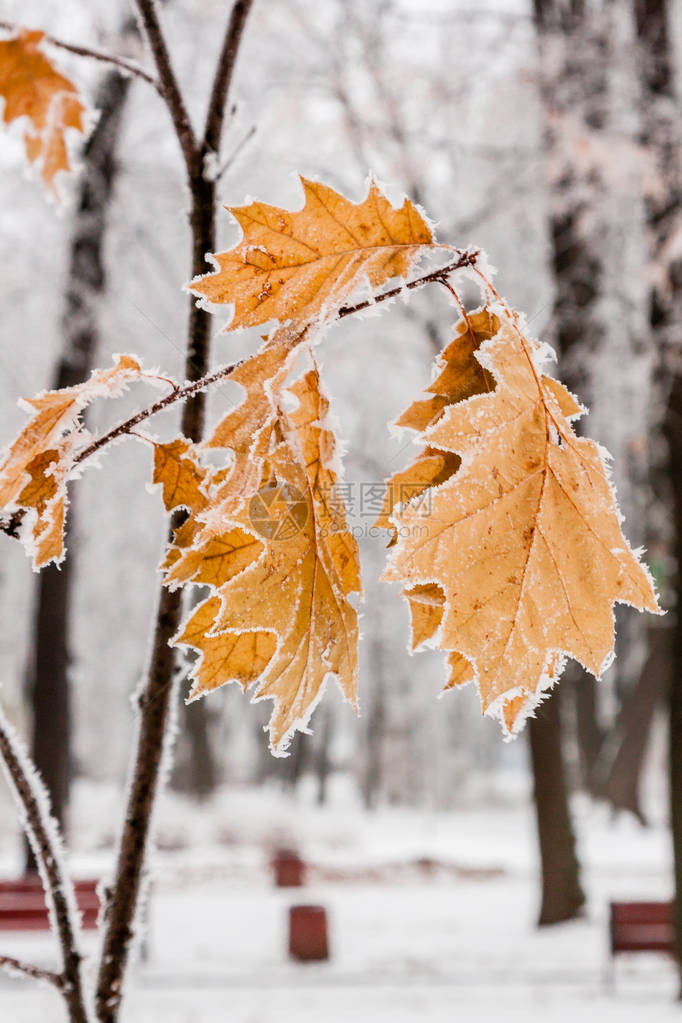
[33,88]
[429,469]
[188,484]
[35,468]
[45,493]
[238,657]
[296,592]
[461,671]
[524,539]
[460,375]
[302,266]
[180,475]
[248,429]
[426,608]
[316,444]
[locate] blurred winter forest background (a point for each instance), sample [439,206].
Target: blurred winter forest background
[546,132]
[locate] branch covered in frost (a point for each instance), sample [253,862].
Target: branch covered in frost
[168,83]
[128,67]
[223,75]
[11,525]
[16,967]
[42,832]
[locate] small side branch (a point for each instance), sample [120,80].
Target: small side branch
[168,83]
[128,67]
[223,76]
[177,394]
[16,966]
[436,276]
[42,832]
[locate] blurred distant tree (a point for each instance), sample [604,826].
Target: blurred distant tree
[47,682]
[562,894]
[580,53]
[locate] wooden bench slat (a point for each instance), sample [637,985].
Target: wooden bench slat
[23,907]
[642,927]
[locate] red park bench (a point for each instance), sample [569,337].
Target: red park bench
[23,907]
[641,927]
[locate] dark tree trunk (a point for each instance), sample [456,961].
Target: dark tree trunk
[375,729]
[562,895]
[589,732]
[322,759]
[47,681]
[195,770]
[576,85]
[621,787]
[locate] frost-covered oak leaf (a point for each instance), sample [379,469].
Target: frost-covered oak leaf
[302,266]
[35,468]
[459,376]
[523,541]
[286,620]
[33,88]
[188,485]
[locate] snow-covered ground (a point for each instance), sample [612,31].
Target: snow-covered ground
[453,941]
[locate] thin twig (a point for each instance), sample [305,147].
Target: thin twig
[43,834]
[130,67]
[168,83]
[215,116]
[177,394]
[235,152]
[467,258]
[12,965]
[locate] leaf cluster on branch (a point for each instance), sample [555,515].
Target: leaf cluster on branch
[503,531]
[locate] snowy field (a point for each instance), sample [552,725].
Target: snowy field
[452,939]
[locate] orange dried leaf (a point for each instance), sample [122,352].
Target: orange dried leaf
[304,265]
[36,466]
[180,475]
[524,539]
[33,88]
[284,619]
[426,607]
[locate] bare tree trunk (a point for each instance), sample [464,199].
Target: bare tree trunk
[562,894]
[573,83]
[621,787]
[322,759]
[47,682]
[376,727]
[195,770]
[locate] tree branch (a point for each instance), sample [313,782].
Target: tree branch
[215,116]
[177,394]
[129,67]
[467,258]
[168,83]
[14,966]
[43,833]
[156,699]
[11,525]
